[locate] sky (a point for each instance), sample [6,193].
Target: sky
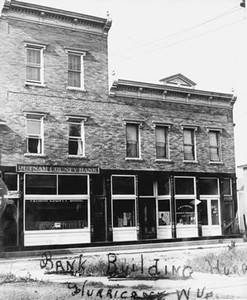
[205,40]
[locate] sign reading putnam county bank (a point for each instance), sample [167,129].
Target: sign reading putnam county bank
[56,169]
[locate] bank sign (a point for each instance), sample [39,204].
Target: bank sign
[56,169]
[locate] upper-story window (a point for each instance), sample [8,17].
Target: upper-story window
[189,144]
[35,135]
[161,134]
[76,138]
[34,63]
[75,69]
[214,145]
[132,140]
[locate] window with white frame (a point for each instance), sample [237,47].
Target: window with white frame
[75,69]
[124,201]
[34,63]
[35,135]
[214,145]
[132,140]
[161,135]
[189,144]
[185,197]
[56,201]
[76,138]
[164,201]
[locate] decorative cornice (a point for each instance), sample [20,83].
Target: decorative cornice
[167,93]
[46,14]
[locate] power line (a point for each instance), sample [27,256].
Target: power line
[173,35]
[184,40]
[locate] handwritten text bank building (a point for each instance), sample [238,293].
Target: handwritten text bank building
[85,165]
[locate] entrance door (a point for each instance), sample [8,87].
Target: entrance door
[147,216]
[99,219]
[209,217]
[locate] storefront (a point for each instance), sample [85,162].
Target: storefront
[164,206]
[56,206]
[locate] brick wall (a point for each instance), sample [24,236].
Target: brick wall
[104,128]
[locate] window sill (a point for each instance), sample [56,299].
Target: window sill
[77,156]
[190,161]
[71,88]
[34,155]
[35,84]
[133,159]
[159,160]
[216,163]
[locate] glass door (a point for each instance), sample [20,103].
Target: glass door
[209,216]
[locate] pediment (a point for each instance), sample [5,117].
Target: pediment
[178,80]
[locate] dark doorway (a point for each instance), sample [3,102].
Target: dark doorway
[147,216]
[99,219]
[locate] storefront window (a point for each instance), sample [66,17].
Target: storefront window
[185,212]
[164,212]
[55,214]
[41,184]
[215,212]
[203,212]
[123,185]
[72,185]
[208,186]
[227,191]
[163,186]
[10,179]
[184,186]
[145,185]
[123,213]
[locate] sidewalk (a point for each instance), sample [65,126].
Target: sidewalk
[127,249]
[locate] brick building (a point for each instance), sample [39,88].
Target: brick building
[82,165]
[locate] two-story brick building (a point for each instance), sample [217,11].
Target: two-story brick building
[82,165]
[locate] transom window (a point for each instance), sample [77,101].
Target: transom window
[35,135]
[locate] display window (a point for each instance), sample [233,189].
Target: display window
[124,213]
[49,215]
[163,186]
[164,212]
[185,212]
[56,201]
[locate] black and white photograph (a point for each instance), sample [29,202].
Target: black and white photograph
[123,151]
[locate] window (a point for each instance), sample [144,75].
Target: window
[35,138]
[123,213]
[164,212]
[184,186]
[163,185]
[132,140]
[227,187]
[161,133]
[189,144]
[214,145]
[123,185]
[75,70]
[11,180]
[145,185]
[56,201]
[76,138]
[52,215]
[34,63]
[208,186]
[185,212]
[124,201]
